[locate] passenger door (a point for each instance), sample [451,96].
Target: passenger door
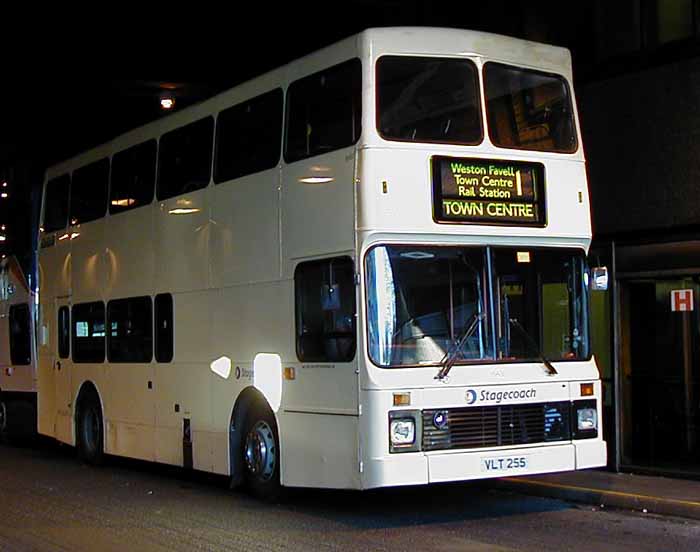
[62,368]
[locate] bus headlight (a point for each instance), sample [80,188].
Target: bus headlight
[404,427]
[586,416]
[587,419]
[403,432]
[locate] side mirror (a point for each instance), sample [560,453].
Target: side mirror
[599,278]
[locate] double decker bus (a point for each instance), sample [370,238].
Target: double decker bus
[18,358]
[366,268]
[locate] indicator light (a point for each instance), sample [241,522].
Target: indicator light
[402,399]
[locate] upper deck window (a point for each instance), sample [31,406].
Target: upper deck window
[528,109]
[56,203]
[133,177]
[324,111]
[88,198]
[249,137]
[184,160]
[422,99]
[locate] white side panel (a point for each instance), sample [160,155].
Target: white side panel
[322,387]
[319,451]
[129,256]
[181,243]
[88,274]
[182,391]
[252,319]
[318,219]
[130,409]
[192,326]
[245,234]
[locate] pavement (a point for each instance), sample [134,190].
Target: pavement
[647,494]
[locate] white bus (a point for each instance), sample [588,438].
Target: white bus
[366,268]
[18,376]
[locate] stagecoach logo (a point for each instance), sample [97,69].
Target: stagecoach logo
[440,419]
[471,396]
[498,397]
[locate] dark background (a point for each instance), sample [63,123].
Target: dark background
[70,81]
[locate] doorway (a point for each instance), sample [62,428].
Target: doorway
[659,376]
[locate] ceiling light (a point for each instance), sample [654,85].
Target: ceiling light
[316,179]
[417,255]
[183,211]
[126,202]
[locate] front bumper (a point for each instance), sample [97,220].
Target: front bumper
[437,467]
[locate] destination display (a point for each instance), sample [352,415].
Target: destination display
[488,191]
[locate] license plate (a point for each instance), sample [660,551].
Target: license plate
[504,463]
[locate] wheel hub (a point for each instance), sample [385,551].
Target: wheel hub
[260,451]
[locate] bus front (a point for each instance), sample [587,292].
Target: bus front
[473,226]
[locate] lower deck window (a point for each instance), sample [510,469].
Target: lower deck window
[130,337]
[88,332]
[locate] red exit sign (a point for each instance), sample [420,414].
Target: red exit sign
[682,300]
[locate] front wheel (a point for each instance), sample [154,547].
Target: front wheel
[89,432]
[261,456]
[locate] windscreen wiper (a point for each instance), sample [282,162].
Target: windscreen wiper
[551,370]
[448,361]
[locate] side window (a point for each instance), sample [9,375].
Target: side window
[20,335]
[133,177]
[184,160]
[88,197]
[164,327]
[325,310]
[63,332]
[130,336]
[56,203]
[88,332]
[249,137]
[324,111]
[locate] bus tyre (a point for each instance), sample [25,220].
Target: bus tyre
[89,436]
[261,458]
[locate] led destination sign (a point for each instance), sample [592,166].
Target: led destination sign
[488,192]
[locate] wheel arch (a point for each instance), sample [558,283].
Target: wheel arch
[246,400]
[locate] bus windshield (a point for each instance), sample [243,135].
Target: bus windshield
[525,304]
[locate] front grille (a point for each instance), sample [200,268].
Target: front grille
[493,426]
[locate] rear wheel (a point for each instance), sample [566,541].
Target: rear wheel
[90,440]
[261,456]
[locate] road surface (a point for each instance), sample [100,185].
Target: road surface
[49,501]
